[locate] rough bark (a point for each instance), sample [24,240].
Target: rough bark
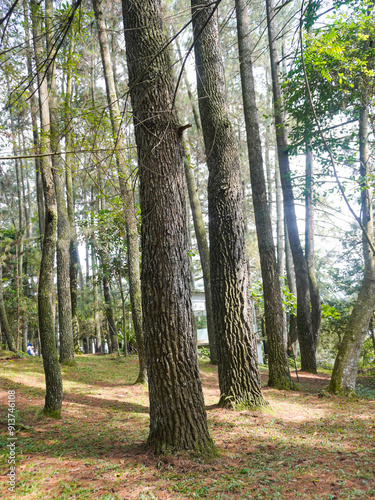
[125,190]
[316,307]
[279,375]
[345,370]
[199,228]
[53,400]
[177,413]
[237,357]
[306,336]
[63,225]
[34,112]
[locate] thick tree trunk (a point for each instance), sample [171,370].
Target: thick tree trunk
[177,413]
[51,365]
[126,191]
[5,328]
[345,370]
[316,307]
[279,375]
[306,336]
[237,358]
[63,225]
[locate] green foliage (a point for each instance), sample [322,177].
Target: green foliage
[288,298]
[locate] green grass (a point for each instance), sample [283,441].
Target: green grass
[303,446]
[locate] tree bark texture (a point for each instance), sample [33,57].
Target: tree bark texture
[125,190]
[279,375]
[345,370]
[237,358]
[199,228]
[53,400]
[63,225]
[34,111]
[304,321]
[177,413]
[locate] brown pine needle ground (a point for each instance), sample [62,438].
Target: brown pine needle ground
[304,446]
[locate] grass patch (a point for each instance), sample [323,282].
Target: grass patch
[300,446]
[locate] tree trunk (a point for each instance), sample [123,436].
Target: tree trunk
[5,328]
[237,357]
[291,279]
[97,326]
[63,226]
[126,191]
[204,254]
[200,231]
[177,413]
[345,370]
[34,111]
[123,313]
[316,307]
[304,321]
[51,365]
[279,375]
[112,331]
[73,247]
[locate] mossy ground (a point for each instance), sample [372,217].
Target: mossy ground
[300,446]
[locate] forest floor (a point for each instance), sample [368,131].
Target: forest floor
[304,446]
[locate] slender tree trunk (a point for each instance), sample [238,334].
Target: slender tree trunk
[51,365]
[237,357]
[204,254]
[316,308]
[345,370]
[372,332]
[34,111]
[112,331]
[291,279]
[98,333]
[199,228]
[73,247]
[63,226]
[5,328]
[279,375]
[281,234]
[123,305]
[126,191]
[306,336]
[177,413]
